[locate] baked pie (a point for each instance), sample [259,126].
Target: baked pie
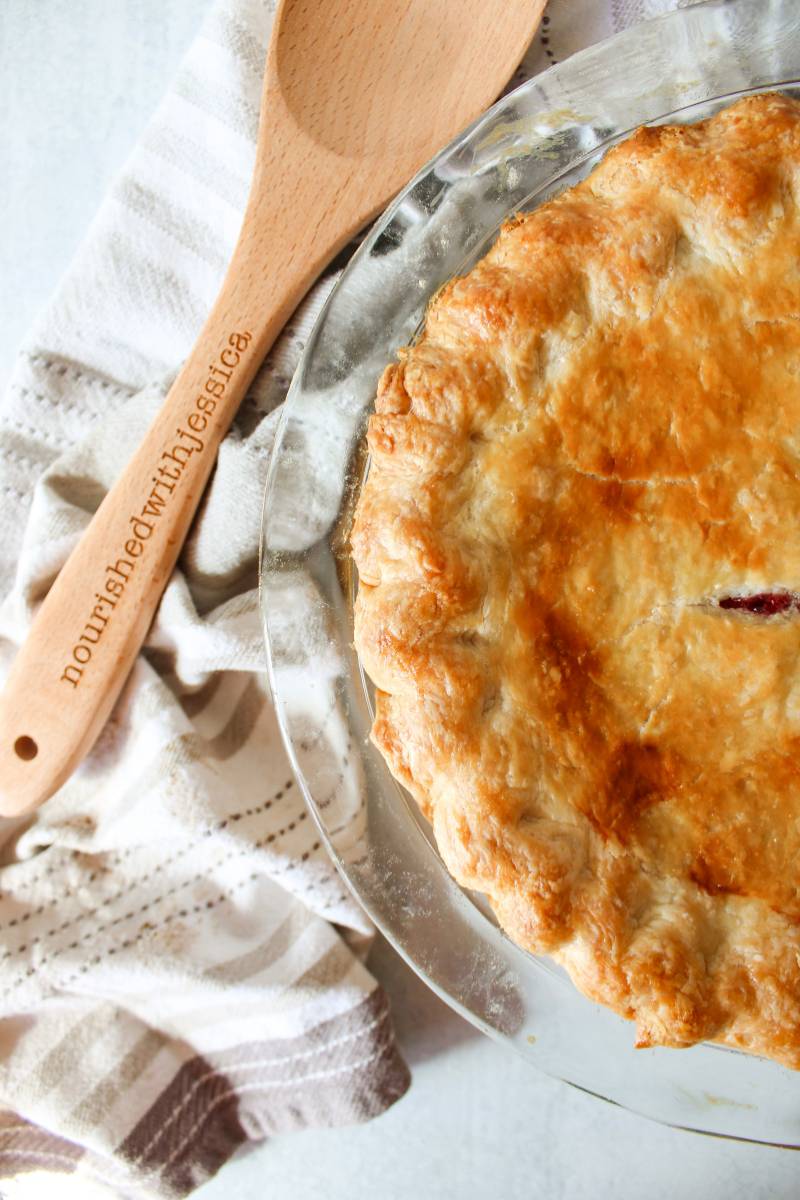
[579,565]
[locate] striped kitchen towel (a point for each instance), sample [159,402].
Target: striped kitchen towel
[181,970]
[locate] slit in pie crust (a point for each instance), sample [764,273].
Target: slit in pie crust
[579,559]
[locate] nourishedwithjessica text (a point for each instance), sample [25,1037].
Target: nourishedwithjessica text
[166,481]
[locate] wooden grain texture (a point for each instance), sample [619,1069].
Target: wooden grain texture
[357,95]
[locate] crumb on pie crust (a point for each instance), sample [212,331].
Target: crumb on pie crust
[579,567]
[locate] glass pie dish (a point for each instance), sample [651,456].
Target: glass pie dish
[534,143]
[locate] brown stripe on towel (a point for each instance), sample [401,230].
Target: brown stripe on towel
[261,1088]
[174,1140]
[193,703]
[27,1147]
[245,966]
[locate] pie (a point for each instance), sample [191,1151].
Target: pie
[578,550]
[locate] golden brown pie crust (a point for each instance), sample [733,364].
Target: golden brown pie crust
[597,438]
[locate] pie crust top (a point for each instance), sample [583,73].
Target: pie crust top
[579,566]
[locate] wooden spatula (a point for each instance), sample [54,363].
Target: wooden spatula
[357,95]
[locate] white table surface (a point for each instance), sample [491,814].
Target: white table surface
[78,79]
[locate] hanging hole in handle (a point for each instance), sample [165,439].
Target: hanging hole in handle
[25,748]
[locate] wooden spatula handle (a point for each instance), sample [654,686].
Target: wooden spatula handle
[91,625]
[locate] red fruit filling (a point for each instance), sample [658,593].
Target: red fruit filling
[765,604]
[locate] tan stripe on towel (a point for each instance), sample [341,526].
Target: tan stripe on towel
[91,1110]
